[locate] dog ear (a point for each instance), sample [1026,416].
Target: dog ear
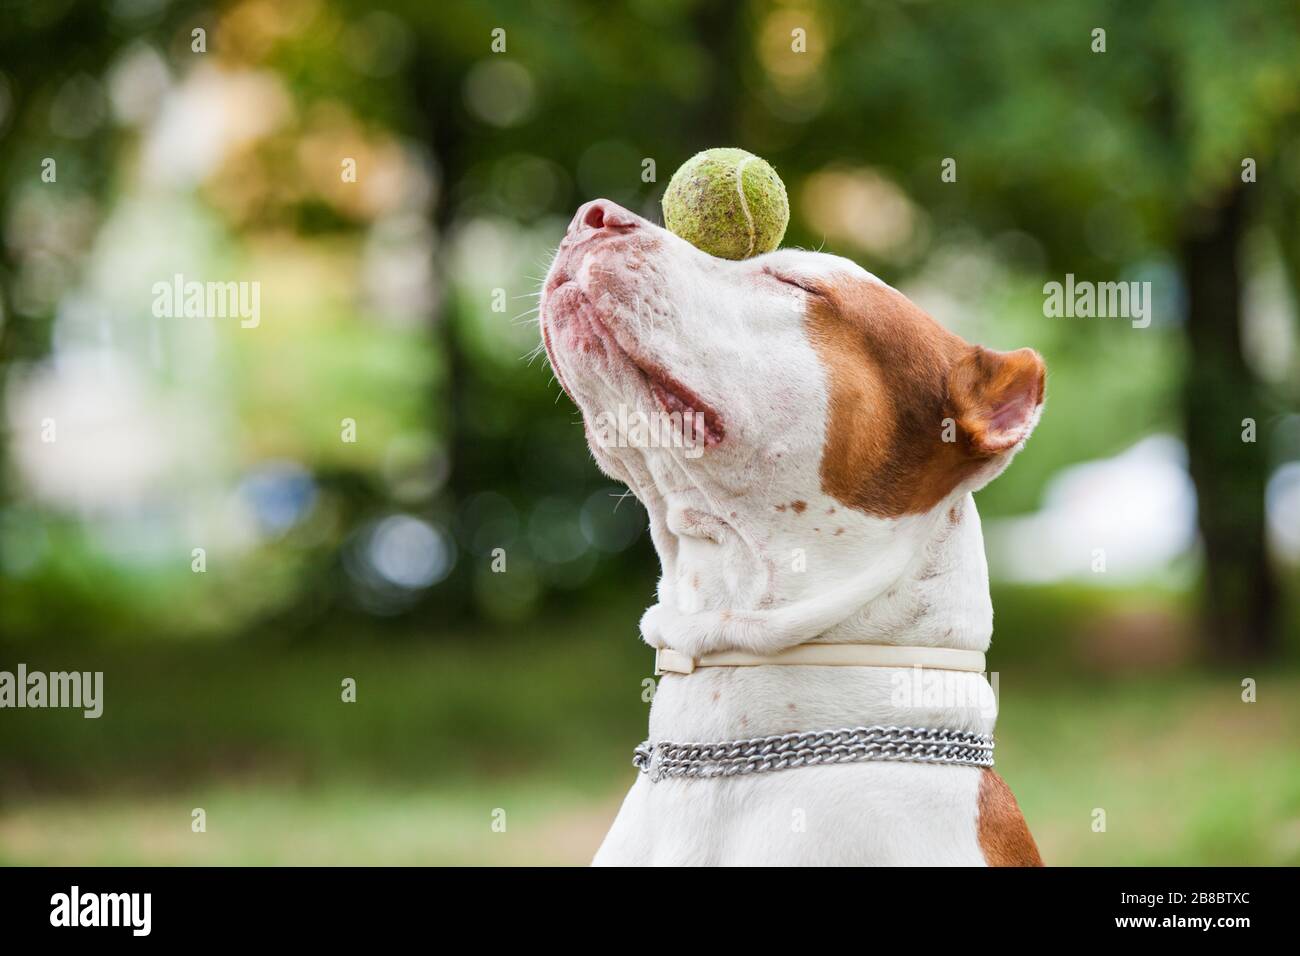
[995,398]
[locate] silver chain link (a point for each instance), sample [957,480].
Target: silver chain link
[813,748]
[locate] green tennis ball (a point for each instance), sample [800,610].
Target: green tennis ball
[728,202]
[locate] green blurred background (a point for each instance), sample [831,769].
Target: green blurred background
[404,303]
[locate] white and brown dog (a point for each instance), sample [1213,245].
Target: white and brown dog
[843,432]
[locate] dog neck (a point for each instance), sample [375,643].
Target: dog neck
[925,583]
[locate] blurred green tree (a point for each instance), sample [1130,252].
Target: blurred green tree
[1115,162]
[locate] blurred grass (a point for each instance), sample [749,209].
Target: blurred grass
[538,722]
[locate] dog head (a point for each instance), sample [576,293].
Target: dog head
[789,398]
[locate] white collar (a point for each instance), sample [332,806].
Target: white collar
[669,661]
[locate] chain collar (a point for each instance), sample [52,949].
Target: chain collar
[787,751]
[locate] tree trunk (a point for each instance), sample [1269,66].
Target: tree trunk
[719,28]
[1239,592]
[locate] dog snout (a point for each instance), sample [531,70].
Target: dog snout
[601,215]
[593,224]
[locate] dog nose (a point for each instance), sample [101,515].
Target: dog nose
[602,215]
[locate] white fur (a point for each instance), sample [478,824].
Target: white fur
[730,542]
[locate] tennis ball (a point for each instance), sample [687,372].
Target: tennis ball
[728,202]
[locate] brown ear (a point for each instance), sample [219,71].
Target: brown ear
[995,397]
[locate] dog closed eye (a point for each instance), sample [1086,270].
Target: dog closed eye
[788,280]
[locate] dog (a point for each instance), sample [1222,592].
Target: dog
[841,432]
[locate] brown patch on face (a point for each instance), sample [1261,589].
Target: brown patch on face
[895,375]
[1003,834]
[799,506]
